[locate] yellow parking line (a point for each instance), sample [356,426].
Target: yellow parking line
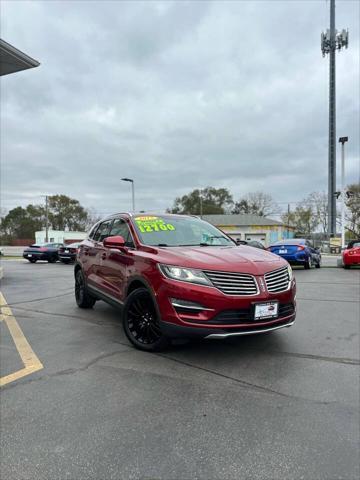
[27,354]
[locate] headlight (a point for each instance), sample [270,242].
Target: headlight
[290,272]
[184,274]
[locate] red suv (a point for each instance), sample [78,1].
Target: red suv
[179,276]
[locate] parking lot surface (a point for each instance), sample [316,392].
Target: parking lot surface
[79,402]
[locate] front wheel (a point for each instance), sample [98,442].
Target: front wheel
[83,298]
[141,322]
[347,267]
[32,260]
[52,259]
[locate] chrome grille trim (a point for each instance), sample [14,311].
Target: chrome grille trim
[232,283]
[278,280]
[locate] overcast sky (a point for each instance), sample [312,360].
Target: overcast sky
[176,95]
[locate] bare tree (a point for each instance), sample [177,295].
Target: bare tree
[257,203]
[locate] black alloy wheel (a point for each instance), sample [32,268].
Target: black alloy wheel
[141,322]
[83,298]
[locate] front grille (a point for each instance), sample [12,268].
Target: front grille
[277,281]
[233,283]
[246,315]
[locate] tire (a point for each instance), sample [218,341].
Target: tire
[65,261]
[32,260]
[308,264]
[318,265]
[347,267]
[141,322]
[83,298]
[52,259]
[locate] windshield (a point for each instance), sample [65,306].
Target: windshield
[177,231]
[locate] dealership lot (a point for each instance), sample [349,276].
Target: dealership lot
[283,405]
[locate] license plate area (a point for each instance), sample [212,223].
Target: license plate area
[283,250]
[266,310]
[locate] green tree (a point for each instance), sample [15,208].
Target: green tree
[352,216]
[302,218]
[22,222]
[66,213]
[256,203]
[209,200]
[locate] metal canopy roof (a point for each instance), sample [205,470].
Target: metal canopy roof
[13,60]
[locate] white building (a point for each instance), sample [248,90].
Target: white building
[59,236]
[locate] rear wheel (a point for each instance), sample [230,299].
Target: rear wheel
[347,267]
[32,260]
[52,259]
[83,298]
[65,261]
[308,264]
[141,322]
[318,265]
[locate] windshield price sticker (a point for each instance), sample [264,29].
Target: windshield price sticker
[153,224]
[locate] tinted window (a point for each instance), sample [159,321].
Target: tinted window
[93,230]
[103,231]
[119,227]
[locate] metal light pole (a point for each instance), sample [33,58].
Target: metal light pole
[132,191]
[343,140]
[46,218]
[331,41]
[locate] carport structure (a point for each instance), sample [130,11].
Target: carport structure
[13,60]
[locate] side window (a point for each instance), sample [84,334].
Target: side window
[103,231]
[119,227]
[93,230]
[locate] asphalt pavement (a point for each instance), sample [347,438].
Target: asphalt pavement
[88,405]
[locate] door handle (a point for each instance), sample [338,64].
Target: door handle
[103,256]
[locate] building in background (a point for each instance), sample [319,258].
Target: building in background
[251,227]
[59,236]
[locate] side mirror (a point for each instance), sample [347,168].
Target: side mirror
[114,242]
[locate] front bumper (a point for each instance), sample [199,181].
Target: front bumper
[224,315]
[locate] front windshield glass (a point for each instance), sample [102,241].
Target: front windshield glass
[176,231]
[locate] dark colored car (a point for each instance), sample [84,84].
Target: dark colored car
[297,251]
[179,276]
[67,253]
[351,254]
[45,251]
[251,243]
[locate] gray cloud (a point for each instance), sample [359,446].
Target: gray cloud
[176,95]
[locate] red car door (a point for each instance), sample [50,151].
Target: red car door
[115,263]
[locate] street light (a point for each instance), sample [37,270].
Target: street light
[132,190]
[343,140]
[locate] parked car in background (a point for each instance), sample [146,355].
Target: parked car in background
[297,251]
[44,251]
[251,243]
[1,251]
[351,254]
[179,276]
[67,253]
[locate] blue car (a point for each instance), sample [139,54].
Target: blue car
[297,251]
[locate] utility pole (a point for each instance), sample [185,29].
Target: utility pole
[46,217]
[343,140]
[201,204]
[331,41]
[288,225]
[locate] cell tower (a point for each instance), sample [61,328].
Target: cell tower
[331,41]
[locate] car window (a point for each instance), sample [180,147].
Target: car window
[120,227]
[103,231]
[93,230]
[173,231]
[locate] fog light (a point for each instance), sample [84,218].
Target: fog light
[187,305]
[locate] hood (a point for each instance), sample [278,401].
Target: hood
[242,258]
